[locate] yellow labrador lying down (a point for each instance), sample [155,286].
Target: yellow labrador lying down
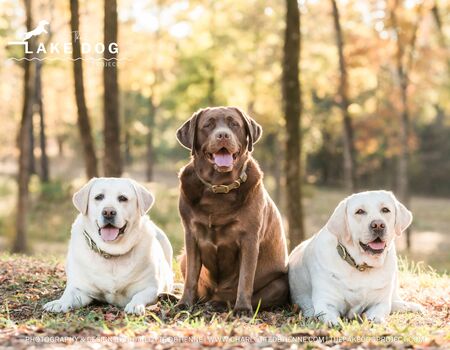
[116,254]
[349,268]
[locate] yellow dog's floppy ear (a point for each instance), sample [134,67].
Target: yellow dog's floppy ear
[145,199]
[403,217]
[187,133]
[81,198]
[254,130]
[337,223]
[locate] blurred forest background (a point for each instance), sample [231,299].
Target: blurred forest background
[352,95]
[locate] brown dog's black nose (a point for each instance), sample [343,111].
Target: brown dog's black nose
[377,226]
[109,213]
[222,135]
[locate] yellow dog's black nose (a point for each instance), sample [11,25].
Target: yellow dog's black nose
[109,212]
[377,224]
[378,227]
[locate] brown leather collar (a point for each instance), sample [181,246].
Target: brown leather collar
[90,242]
[343,253]
[227,188]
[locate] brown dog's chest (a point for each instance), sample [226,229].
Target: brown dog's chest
[219,254]
[218,237]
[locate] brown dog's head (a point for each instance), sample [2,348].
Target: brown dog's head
[221,135]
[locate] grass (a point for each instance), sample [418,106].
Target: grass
[26,283]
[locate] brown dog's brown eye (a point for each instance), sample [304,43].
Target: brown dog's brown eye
[234,124]
[360,212]
[208,124]
[99,197]
[385,210]
[122,199]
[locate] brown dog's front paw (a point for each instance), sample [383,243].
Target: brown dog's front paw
[243,311]
[187,301]
[217,306]
[180,306]
[184,304]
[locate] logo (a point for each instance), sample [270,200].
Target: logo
[62,50]
[37,31]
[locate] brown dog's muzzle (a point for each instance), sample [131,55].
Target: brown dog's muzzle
[222,149]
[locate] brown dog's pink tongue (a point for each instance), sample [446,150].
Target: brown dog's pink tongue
[376,245]
[109,233]
[223,159]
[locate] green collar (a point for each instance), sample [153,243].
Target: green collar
[343,253]
[90,242]
[227,188]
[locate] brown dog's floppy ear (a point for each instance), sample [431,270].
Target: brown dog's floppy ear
[254,130]
[81,198]
[403,217]
[145,199]
[337,223]
[187,133]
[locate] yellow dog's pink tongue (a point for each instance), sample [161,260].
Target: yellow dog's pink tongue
[223,159]
[376,245]
[109,233]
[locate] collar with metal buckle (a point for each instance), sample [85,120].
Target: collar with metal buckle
[95,247]
[343,253]
[227,188]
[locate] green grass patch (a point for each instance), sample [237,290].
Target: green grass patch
[26,283]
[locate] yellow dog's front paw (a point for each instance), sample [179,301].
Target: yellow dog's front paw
[136,309]
[57,306]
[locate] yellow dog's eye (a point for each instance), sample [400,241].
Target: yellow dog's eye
[122,199]
[360,212]
[99,197]
[385,210]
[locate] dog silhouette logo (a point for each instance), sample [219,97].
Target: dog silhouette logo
[37,50]
[40,29]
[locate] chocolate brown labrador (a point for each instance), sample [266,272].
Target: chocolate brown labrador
[235,246]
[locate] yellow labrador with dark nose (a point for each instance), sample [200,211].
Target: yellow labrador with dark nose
[350,267]
[116,253]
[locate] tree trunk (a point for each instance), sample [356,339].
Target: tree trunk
[150,157]
[20,242]
[84,125]
[31,157]
[292,109]
[211,68]
[128,158]
[403,159]
[153,104]
[61,139]
[442,39]
[349,149]
[42,135]
[211,97]
[38,103]
[403,67]
[277,170]
[112,154]
[272,143]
